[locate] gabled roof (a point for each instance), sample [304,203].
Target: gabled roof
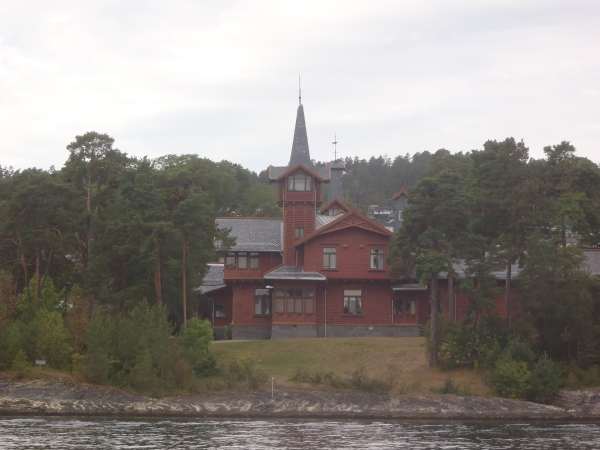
[399,193]
[333,202]
[347,220]
[278,173]
[293,273]
[254,234]
[213,279]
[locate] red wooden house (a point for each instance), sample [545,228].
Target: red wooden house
[317,275]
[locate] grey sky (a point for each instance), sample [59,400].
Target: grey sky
[220,78]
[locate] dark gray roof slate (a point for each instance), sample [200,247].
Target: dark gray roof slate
[293,273]
[591,265]
[254,234]
[276,171]
[213,279]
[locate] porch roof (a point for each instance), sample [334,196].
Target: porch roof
[408,287]
[213,279]
[293,273]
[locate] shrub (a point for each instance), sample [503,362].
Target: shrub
[195,340]
[20,365]
[247,368]
[545,380]
[52,340]
[511,379]
[334,380]
[455,346]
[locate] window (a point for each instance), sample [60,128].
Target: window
[334,211]
[261,301]
[299,182]
[329,257]
[219,310]
[376,258]
[353,301]
[294,301]
[400,216]
[254,260]
[242,260]
[405,306]
[299,232]
[231,260]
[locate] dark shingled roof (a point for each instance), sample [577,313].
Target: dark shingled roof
[300,153]
[293,273]
[591,265]
[254,234]
[275,172]
[213,279]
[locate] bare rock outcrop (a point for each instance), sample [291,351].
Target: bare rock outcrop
[63,396]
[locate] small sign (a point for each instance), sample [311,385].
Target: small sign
[40,362]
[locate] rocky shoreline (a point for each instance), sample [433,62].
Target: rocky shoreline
[65,397]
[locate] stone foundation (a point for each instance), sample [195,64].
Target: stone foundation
[285,331]
[250,332]
[293,331]
[368,331]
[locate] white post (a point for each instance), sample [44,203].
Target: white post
[272,385]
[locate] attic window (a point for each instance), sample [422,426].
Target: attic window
[299,182]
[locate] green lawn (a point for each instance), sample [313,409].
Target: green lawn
[282,358]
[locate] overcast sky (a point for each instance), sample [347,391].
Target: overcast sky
[220,78]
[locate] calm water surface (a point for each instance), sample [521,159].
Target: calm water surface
[55,433]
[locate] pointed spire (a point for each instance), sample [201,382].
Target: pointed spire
[300,152]
[299,91]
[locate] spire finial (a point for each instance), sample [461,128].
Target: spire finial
[299,91]
[335,147]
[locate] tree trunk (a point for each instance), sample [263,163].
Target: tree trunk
[507,291]
[451,305]
[88,242]
[184,283]
[433,323]
[46,270]
[158,282]
[38,273]
[26,274]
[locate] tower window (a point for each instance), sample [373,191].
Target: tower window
[299,232]
[299,182]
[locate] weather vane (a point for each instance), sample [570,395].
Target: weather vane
[335,147]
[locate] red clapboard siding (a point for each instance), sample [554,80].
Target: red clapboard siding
[376,304]
[222,296]
[243,303]
[353,254]
[296,215]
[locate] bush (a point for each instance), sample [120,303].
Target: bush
[20,365]
[545,380]
[511,379]
[455,346]
[52,339]
[195,340]
[248,370]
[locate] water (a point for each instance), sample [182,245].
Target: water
[56,433]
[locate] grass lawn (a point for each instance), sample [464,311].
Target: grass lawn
[379,357]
